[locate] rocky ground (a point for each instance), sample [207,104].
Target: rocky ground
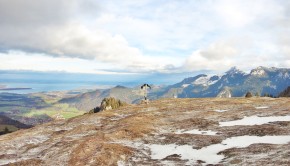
[254,131]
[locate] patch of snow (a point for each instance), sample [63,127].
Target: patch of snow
[196,131]
[185,85]
[64,128]
[209,154]
[283,75]
[262,107]
[212,82]
[273,86]
[258,72]
[121,163]
[34,140]
[168,163]
[11,161]
[221,110]
[37,140]
[220,86]
[255,120]
[202,81]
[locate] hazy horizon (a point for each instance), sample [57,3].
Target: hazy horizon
[39,81]
[59,81]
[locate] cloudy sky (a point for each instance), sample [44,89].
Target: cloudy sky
[143,36]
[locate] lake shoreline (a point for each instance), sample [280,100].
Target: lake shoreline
[12,89]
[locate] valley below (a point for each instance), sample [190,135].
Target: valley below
[188,131]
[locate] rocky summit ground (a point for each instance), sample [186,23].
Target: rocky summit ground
[241,131]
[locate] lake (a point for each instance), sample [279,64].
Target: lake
[59,81]
[44,82]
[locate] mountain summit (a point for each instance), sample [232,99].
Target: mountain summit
[234,70]
[259,72]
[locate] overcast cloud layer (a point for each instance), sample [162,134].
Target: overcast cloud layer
[128,36]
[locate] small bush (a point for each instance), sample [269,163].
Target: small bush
[248,95]
[257,94]
[95,110]
[268,95]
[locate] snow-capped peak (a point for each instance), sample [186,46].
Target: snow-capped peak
[234,70]
[205,80]
[259,71]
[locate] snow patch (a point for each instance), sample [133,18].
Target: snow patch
[202,81]
[185,85]
[37,140]
[258,72]
[262,107]
[212,82]
[209,154]
[121,163]
[196,131]
[255,120]
[221,110]
[283,75]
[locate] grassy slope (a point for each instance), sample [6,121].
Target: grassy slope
[10,128]
[55,109]
[35,106]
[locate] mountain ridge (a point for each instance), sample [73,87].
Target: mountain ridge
[234,83]
[260,80]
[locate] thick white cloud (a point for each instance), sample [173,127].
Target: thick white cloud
[241,13]
[161,27]
[40,62]
[149,36]
[54,28]
[218,56]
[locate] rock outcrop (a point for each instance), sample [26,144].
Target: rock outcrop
[108,104]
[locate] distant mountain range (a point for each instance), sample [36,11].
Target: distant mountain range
[234,83]
[89,100]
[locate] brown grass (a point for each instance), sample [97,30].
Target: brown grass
[94,152]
